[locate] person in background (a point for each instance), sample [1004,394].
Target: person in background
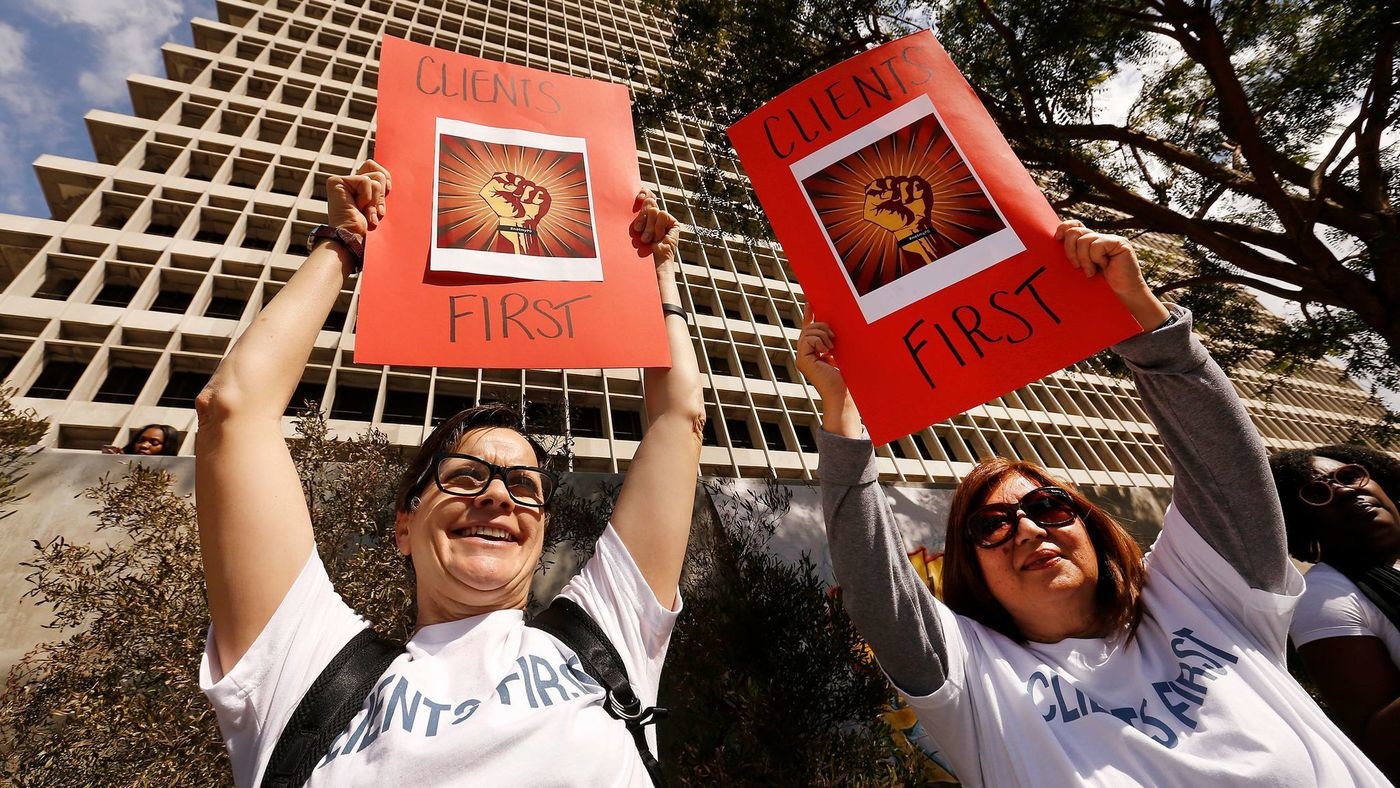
[1063,656]
[1340,511]
[151,440]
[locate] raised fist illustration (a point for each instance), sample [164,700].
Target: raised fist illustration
[519,204]
[903,205]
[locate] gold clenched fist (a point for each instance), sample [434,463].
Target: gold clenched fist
[903,205]
[519,204]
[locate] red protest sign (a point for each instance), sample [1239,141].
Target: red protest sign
[506,242]
[918,235]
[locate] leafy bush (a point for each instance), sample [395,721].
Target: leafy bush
[767,680]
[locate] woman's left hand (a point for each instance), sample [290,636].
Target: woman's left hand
[1114,257]
[1094,252]
[654,230]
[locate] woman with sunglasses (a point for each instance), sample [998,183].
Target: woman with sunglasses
[1342,518]
[1062,656]
[477,698]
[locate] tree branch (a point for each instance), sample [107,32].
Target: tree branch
[1256,236]
[1237,119]
[1018,67]
[1262,286]
[1114,195]
[1315,183]
[1353,220]
[1162,149]
[1145,20]
[1370,172]
[1209,202]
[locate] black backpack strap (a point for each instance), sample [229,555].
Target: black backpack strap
[567,621]
[327,707]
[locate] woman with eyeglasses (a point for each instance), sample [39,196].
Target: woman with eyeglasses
[1063,656]
[477,698]
[1341,517]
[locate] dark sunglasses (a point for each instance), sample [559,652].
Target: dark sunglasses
[463,474]
[1318,492]
[1048,507]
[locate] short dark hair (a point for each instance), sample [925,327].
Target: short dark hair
[446,437]
[1292,468]
[169,440]
[965,590]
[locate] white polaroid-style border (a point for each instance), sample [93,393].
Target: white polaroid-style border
[513,266]
[950,269]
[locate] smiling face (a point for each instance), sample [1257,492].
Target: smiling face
[151,442]
[474,554]
[1044,577]
[1359,526]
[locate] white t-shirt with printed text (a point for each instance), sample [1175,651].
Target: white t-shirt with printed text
[481,701]
[1333,607]
[1200,697]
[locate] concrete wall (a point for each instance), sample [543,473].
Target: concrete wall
[55,507]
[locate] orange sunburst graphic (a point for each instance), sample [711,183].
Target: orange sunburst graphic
[514,199]
[900,203]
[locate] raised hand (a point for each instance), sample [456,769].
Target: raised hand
[357,202]
[816,360]
[903,205]
[519,204]
[655,231]
[1114,257]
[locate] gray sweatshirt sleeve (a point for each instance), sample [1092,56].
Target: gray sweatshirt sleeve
[893,610]
[1223,486]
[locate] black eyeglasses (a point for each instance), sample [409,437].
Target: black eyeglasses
[1048,507]
[463,474]
[1318,492]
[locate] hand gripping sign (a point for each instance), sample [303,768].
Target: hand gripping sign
[918,235]
[506,242]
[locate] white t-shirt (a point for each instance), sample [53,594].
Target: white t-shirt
[481,701]
[1201,697]
[1333,607]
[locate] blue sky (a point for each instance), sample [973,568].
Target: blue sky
[61,58]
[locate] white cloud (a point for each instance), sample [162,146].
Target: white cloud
[27,112]
[124,35]
[12,44]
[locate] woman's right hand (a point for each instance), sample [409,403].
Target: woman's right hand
[816,360]
[357,202]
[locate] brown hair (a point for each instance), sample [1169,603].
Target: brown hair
[445,439]
[1118,596]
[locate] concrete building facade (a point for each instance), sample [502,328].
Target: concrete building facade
[193,215]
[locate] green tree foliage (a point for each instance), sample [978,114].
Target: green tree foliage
[117,701]
[1259,134]
[767,681]
[349,487]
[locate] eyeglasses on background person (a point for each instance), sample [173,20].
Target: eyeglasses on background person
[1319,491]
